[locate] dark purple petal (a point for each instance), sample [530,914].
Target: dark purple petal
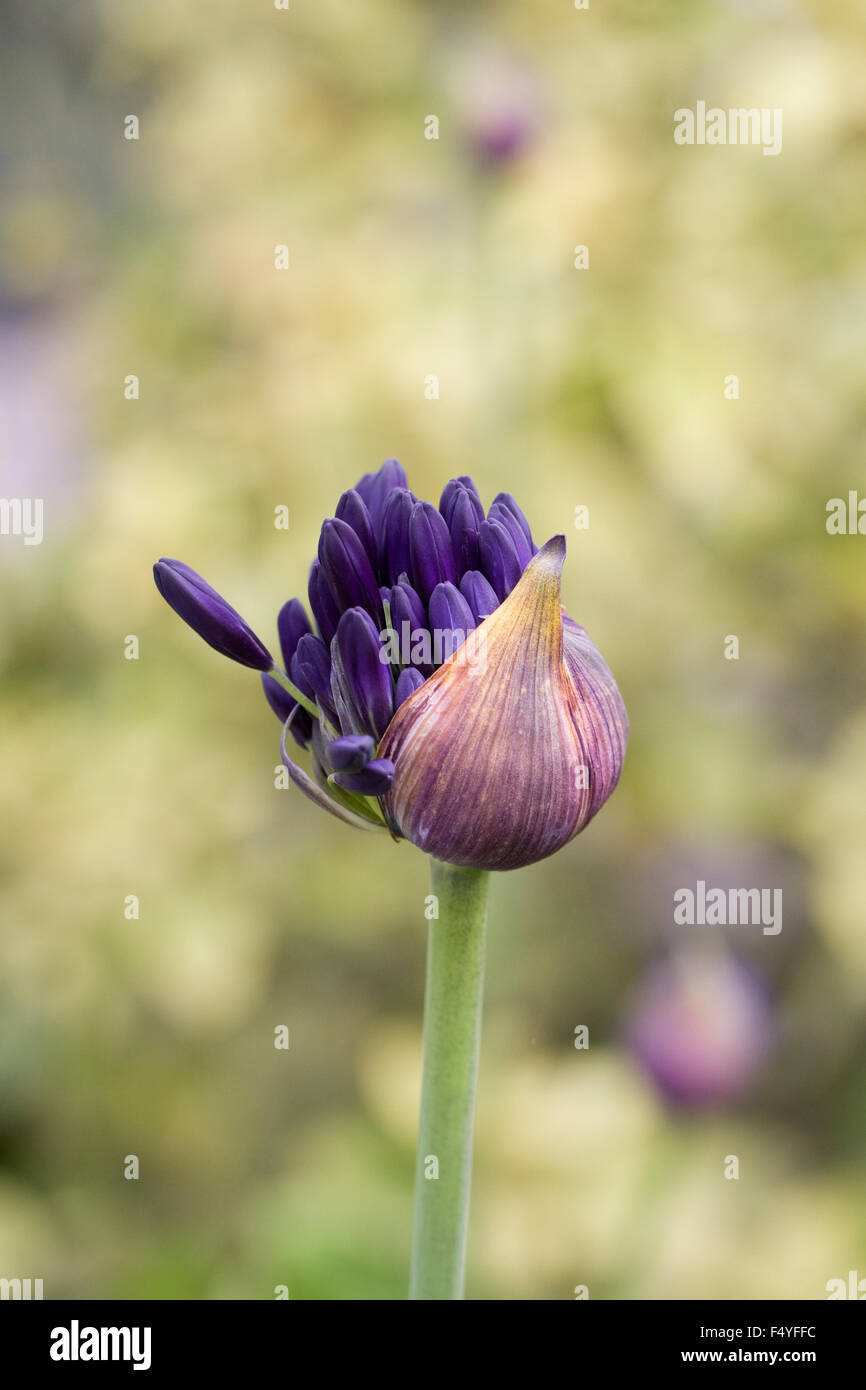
[394,558]
[479,594]
[451,619]
[463,526]
[208,614]
[499,558]
[346,567]
[282,705]
[374,780]
[360,681]
[500,513]
[350,753]
[504,499]
[352,509]
[430,548]
[312,660]
[408,682]
[322,603]
[292,625]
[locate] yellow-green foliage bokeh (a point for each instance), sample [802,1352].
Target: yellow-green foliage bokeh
[601,388]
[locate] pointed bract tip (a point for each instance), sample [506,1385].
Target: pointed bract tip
[550,557]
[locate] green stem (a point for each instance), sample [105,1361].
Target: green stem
[291,689]
[452,1035]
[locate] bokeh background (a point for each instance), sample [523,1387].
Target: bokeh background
[602,388]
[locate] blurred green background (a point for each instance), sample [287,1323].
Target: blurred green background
[601,388]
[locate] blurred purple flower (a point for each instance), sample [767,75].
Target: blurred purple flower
[700,1026]
[500,106]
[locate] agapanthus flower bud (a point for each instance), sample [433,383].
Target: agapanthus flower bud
[347,568]
[361,683]
[499,558]
[455,705]
[479,594]
[510,748]
[394,559]
[430,549]
[208,614]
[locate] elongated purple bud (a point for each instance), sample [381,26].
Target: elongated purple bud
[408,617]
[451,618]
[350,753]
[361,683]
[507,751]
[463,527]
[390,476]
[312,661]
[431,550]
[322,603]
[292,625]
[394,557]
[208,614]
[347,569]
[408,682]
[499,559]
[479,594]
[373,780]
[352,509]
[455,489]
[504,499]
[499,512]
[406,606]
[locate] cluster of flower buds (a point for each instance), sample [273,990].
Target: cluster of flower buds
[440,688]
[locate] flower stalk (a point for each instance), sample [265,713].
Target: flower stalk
[452,1037]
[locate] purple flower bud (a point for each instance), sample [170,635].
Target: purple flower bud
[408,682]
[322,602]
[283,705]
[504,499]
[361,683]
[408,617]
[479,594]
[499,559]
[430,548]
[463,527]
[373,780]
[455,489]
[350,753]
[506,518]
[406,606]
[312,662]
[394,557]
[506,752]
[377,491]
[450,617]
[700,1026]
[208,614]
[347,569]
[292,625]
[352,509]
